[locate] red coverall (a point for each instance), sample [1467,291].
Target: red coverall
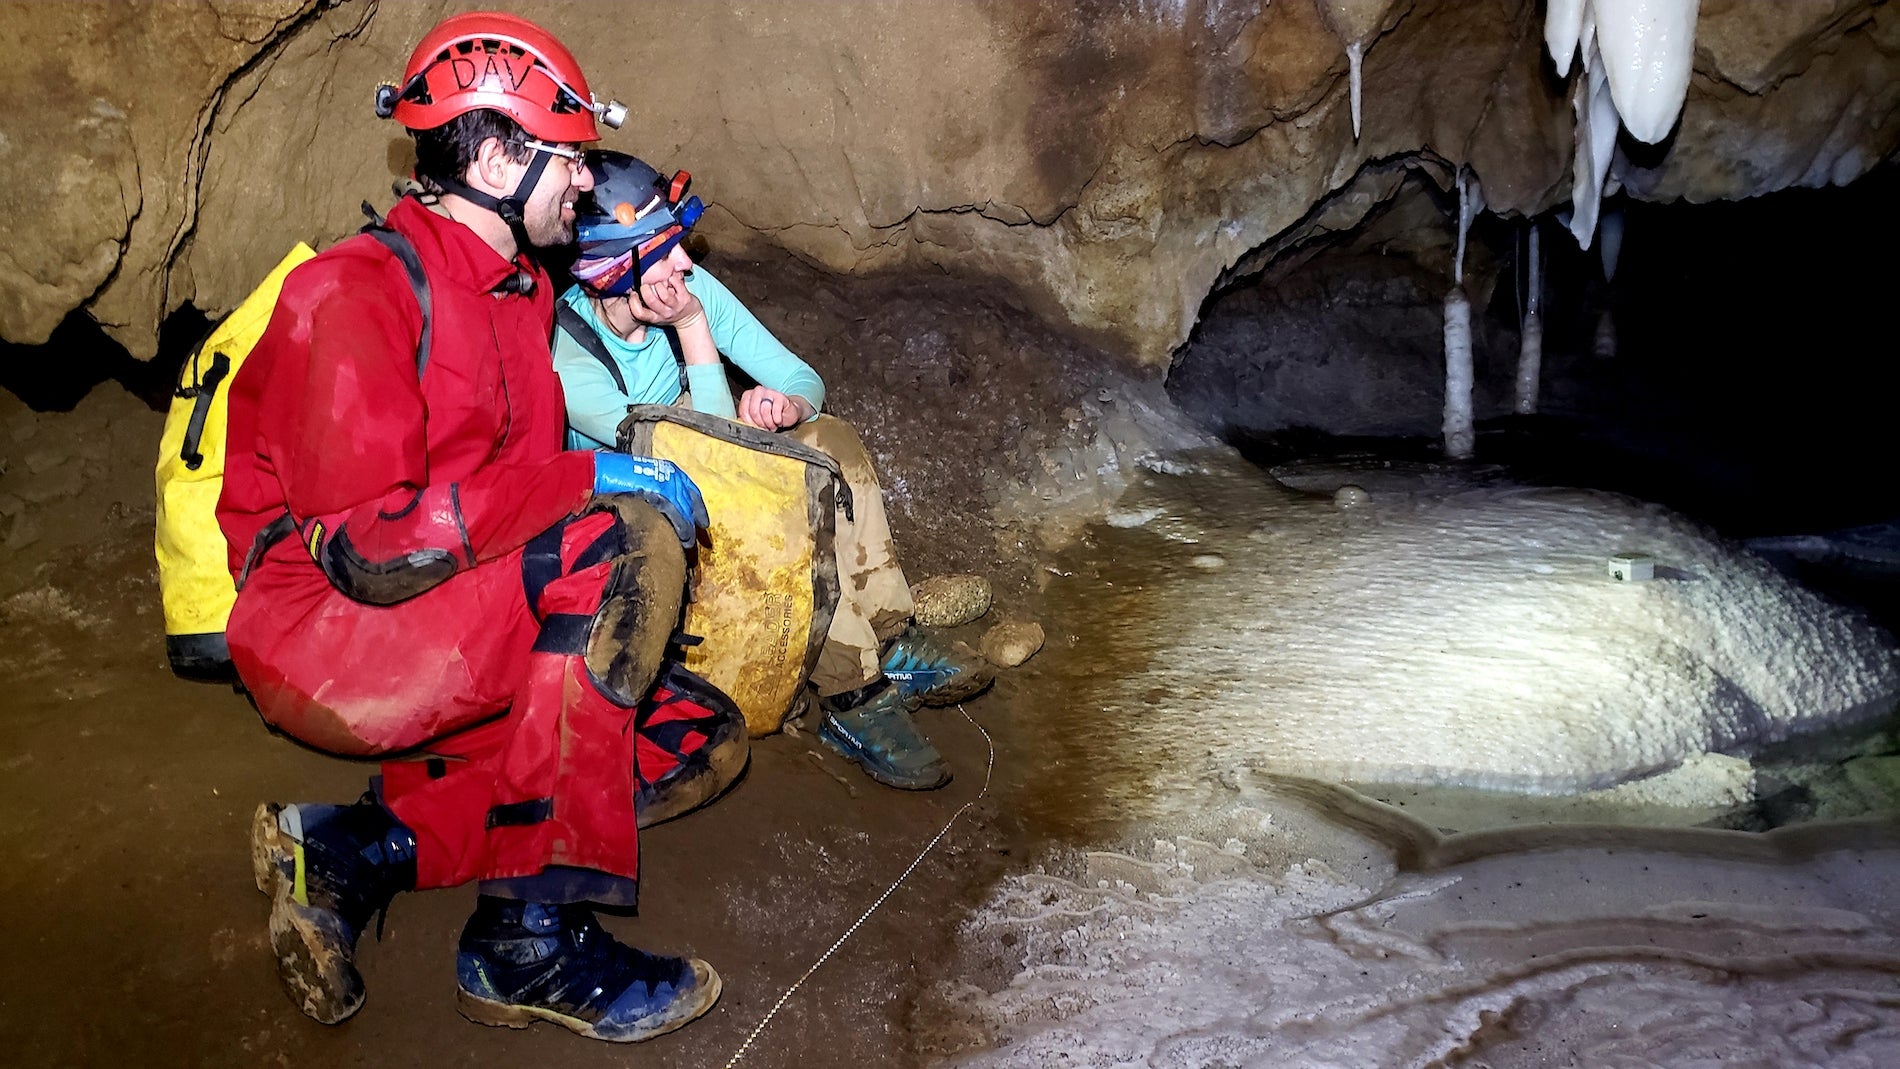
[459,471]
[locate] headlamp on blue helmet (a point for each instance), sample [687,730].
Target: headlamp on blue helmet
[630,221]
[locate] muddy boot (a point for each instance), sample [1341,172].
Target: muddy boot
[873,727]
[522,962]
[328,870]
[934,670]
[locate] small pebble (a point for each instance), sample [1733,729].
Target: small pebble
[1351,497]
[1011,642]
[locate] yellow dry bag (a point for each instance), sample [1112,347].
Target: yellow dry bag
[767,582]
[194,577]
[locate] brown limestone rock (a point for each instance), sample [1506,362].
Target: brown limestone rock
[1012,642]
[101,134]
[951,600]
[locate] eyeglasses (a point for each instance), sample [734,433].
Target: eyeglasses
[572,154]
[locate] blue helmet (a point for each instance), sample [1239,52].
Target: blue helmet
[630,221]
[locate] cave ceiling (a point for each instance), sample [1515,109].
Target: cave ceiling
[1114,160]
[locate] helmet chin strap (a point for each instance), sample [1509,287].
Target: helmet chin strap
[511,207]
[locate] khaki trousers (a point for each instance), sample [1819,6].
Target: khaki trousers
[874,602]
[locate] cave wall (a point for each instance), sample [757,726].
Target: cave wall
[104,118]
[1113,159]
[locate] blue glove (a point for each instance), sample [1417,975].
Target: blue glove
[659,483]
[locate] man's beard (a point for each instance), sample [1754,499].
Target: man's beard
[549,230]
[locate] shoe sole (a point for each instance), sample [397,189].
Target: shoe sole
[318,977]
[508,1015]
[960,687]
[852,754]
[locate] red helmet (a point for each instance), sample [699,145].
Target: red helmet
[487,59]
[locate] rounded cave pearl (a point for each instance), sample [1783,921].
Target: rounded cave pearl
[1351,497]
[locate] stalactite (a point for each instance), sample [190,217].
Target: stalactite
[1355,57]
[1610,249]
[1611,229]
[1530,346]
[1587,39]
[1563,25]
[1636,57]
[1647,47]
[1596,143]
[1470,203]
[1356,23]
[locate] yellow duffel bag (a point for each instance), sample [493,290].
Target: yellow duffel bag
[194,575]
[767,582]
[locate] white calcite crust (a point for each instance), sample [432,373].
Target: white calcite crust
[1468,634]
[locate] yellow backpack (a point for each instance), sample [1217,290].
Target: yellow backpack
[194,577]
[767,582]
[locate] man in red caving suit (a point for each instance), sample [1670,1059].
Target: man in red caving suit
[425,573]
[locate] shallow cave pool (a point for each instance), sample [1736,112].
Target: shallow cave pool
[1381,766]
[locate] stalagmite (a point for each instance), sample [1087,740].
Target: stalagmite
[1604,345]
[1459,437]
[1530,346]
[1355,23]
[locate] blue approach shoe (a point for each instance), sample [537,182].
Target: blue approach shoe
[522,962]
[328,869]
[873,727]
[933,670]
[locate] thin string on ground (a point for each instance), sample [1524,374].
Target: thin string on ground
[988,768]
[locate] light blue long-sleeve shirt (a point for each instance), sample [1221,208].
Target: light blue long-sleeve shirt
[595,406]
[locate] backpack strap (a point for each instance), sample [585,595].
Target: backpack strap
[571,321]
[202,395]
[403,250]
[679,356]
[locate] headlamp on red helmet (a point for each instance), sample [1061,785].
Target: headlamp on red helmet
[505,63]
[488,64]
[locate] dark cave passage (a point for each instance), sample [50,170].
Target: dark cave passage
[54,375]
[1745,387]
